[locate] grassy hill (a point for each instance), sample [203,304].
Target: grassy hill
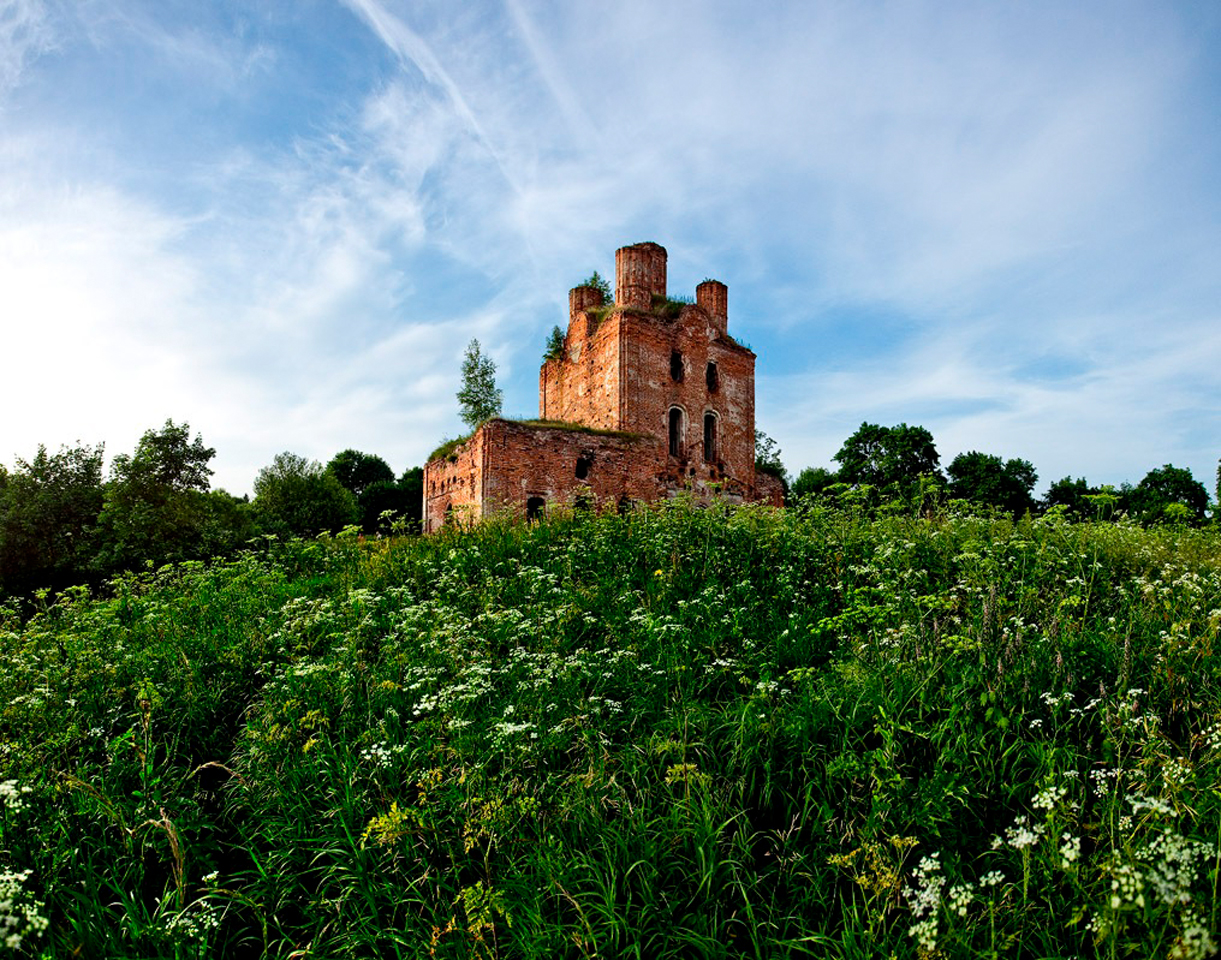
[677,733]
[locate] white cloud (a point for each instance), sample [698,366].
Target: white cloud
[24,34]
[979,190]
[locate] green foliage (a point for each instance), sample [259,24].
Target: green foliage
[812,481]
[411,489]
[767,458]
[1073,499]
[227,523]
[479,397]
[889,459]
[670,307]
[677,732]
[166,459]
[403,499]
[599,283]
[294,496]
[156,504]
[48,515]
[371,481]
[447,447]
[357,471]
[554,348]
[984,478]
[1168,494]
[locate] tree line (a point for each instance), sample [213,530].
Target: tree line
[878,465]
[62,522]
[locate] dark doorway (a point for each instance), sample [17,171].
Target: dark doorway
[534,508]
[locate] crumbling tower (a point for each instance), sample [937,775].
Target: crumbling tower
[653,365]
[648,396]
[640,275]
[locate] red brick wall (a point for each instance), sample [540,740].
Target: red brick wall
[640,275]
[650,391]
[582,386]
[505,464]
[615,374]
[543,462]
[455,483]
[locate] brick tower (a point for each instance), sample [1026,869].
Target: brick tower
[648,396]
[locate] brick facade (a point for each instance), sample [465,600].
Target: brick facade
[665,395]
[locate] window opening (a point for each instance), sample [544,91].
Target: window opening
[676,366]
[676,432]
[583,465]
[712,378]
[534,508]
[710,437]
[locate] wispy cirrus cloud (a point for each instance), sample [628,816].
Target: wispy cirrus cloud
[24,34]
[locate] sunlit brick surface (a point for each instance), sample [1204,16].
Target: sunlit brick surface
[667,378]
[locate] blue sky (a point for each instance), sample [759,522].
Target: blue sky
[283,222]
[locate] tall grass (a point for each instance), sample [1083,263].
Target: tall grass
[675,733]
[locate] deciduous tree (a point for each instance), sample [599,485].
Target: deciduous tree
[156,503]
[48,518]
[984,478]
[1074,496]
[294,496]
[357,471]
[892,459]
[479,397]
[1168,494]
[767,459]
[812,481]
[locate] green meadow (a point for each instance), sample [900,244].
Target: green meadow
[674,733]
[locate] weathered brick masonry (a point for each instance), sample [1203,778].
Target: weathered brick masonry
[665,395]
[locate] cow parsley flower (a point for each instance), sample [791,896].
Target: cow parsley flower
[20,916]
[12,796]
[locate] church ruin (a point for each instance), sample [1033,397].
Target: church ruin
[648,397]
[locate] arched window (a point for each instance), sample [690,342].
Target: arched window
[676,432]
[712,378]
[676,366]
[710,438]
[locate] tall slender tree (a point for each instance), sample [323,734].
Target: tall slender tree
[479,397]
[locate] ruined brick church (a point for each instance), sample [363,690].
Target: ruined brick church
[648,397]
